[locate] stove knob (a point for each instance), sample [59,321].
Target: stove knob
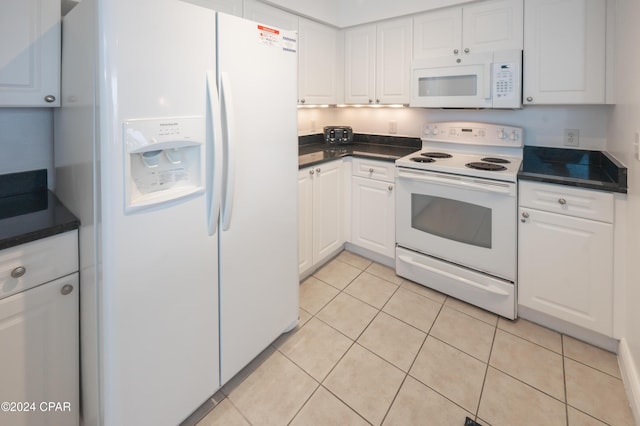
[502,134]
[514,136]
[435,131]
[427,131]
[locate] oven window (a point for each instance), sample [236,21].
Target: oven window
[451,219]
[455,85]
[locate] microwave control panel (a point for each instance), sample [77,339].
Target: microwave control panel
[504,80]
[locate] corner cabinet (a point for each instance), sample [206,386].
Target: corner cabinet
[39,331]
[564,52]
[320,213]
[373,206]
[485,26]
[30,53]
[574,281]
[377,62]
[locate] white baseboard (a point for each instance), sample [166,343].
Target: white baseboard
[630,377]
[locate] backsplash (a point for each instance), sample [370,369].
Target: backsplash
[543,125]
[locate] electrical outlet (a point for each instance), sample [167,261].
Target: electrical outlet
[393,127]
[571,137]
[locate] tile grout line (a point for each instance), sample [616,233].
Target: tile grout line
[564,380]
[486,371]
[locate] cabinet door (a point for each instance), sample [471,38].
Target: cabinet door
[393,61]
[39,360]
[373,215]
[360,64]
[317,70]
[305,219]
[437,33]
[564,51]
[490,26]
[573,281]
[269,15]
[30,53]
[328,210]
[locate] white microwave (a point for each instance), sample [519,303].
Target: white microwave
[481,80]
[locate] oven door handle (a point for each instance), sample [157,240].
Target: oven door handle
[488,288]
[458,181]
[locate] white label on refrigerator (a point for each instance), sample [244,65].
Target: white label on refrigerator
[269,36]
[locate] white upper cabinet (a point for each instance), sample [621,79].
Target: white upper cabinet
[377,62]
[317,54]
[564,52]
[230,7]
[269,15]
[480,27]
[30,53]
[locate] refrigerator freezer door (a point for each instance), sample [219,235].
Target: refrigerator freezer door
[258,251]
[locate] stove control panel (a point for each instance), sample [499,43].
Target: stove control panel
[473,133]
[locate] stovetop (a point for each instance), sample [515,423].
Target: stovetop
[480,150]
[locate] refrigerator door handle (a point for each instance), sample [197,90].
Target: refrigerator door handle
[214,154]
[226,100]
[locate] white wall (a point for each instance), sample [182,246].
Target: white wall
[26,140]
[544,126]
[625,122]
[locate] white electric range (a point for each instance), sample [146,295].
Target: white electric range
[456,208]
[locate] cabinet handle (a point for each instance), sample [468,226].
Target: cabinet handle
[371,170]
[456,51]
[311,172]
[377,101]
[529,99]
[466,50]
[302,101]
[66,289]
[390,187]
[18,272]
[525,216]
[49,98]
[370,101]
[562,201]
[458,60]
[318,170]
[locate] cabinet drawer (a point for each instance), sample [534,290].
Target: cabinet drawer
[43,260]
[584,203]
[381,170]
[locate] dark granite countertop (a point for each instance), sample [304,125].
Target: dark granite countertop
[313,150]
[573,167]
[28,211]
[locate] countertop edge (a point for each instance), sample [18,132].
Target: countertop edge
[580,183]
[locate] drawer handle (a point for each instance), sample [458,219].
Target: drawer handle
[66,289]
[18,272]
[371,170]
[562,201]
[390,187]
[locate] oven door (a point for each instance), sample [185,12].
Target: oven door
[443,83]
[464,220]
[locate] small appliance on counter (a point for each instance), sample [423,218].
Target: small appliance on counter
[338,135]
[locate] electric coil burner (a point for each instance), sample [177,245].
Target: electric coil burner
[482,165]
[436,154]
[422,159]
[456,215]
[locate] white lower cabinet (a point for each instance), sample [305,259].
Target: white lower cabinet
[565,254]
[373,206]
[39,335]
[321,213]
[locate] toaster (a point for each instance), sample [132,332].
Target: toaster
[338,135]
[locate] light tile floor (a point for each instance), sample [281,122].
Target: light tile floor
[373,348]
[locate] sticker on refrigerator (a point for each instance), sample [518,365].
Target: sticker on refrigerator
[269,36]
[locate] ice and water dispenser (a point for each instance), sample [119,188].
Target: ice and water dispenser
[164,160]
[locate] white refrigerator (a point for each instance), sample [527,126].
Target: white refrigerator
[176,145]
